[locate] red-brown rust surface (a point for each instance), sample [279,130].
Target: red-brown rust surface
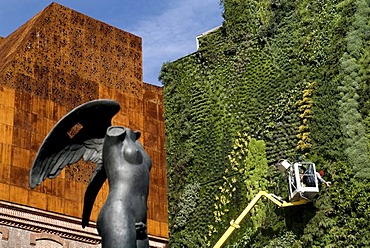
[56,61]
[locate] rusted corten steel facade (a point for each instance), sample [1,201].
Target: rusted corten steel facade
[56,61]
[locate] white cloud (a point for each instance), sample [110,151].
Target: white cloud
[168,27]
[171,34]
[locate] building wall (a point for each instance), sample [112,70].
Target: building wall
[53,63]
[22,226]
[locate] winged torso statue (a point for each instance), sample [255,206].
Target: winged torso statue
[119,157]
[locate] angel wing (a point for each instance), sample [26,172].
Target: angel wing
[79,134]
[50,166]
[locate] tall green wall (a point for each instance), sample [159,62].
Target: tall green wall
[280,78]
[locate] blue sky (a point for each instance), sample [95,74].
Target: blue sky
[168,27]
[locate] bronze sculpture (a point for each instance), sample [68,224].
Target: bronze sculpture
[120,158]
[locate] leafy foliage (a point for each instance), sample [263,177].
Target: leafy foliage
[245,178]
[305,107]
[356,143]
[250,77]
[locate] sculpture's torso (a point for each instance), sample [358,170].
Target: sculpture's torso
[122,220]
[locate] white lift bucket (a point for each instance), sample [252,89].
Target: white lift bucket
[302,181]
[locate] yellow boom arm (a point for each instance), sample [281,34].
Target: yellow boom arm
[235,224]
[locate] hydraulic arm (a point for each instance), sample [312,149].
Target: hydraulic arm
[235,224]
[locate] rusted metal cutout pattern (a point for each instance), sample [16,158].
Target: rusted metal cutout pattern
[67,55]
[56,61]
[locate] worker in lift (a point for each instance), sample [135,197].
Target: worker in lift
[307,179]
[319,176]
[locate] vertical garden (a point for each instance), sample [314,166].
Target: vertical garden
[280,78]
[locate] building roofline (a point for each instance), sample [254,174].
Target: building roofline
[206,33]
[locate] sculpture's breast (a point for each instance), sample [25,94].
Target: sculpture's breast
[126,162]
[132,151]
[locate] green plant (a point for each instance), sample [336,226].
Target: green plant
[249,76]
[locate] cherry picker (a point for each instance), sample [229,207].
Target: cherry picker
[302,188]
